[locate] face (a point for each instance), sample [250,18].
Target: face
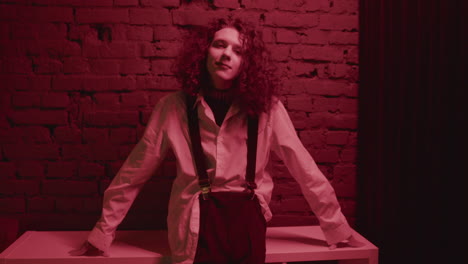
[224,57]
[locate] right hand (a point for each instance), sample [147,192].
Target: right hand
[87,249]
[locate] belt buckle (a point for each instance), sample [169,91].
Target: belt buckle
[205,190]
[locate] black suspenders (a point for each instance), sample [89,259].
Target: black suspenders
[199,156]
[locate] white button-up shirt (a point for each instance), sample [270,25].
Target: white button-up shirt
[225,148]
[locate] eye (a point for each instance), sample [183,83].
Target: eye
[238,51]
[219,44]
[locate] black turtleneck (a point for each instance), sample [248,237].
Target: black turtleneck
[219,102]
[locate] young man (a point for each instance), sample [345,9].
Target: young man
[221,128]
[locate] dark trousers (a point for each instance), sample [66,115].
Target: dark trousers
[232,230]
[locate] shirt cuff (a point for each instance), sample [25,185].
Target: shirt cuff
[338,234]
[100,240]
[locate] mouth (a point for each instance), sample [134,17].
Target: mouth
[222,65]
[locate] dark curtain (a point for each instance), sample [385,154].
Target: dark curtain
[412,153]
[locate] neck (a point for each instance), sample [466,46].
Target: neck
[223,95]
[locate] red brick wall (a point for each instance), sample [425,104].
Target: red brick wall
[79,79]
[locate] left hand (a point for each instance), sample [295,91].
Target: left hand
[351,242]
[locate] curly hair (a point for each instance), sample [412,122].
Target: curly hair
[257,83]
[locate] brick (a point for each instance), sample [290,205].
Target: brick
[344,172]
[343,38]
[134,100]
[105,84]
[315,36]
[348,105]
[9,12]
[102,151]
[345,6]
[149,17]
[162,49]
[301,5]
[160,3]
[74,152]
[126,2]
[348,155]
[197,17]
[31,134]
[31,151]
[161,66]
[342,121]
[101,15]
[107,101]
[279,52]
[326,155]
[337,70]
[338,22]
[67,135]
[66,83]
[261,4]
[55,100]
[344,189]
[163,83]
[286,36]
[82,33]
[123,136]
[299,119]
[7,170]
[26,99]
[110,50]
[46,65]
[41,204]
[353,139]
[300,103]
[68,204]
[17,65]
[54,48]
[69,188]
[75,65]
[90,170]
[166,33]
[13,205]
[104,118]
[105,66]
[226,3]
[19,187]
[318,87]
[134,66]
[94,135]
[33,31]
[289,19]
[39,117]
[143,33]
[61,169]
[267,35]
[337,137]
[124,151]
[326,104]
[95,3]
[352,55]
[314,138]
[45,14]
[317,53]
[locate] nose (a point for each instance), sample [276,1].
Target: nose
[227,53]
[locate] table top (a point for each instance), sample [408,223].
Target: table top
[291,243]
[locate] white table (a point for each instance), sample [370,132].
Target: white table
[284,244]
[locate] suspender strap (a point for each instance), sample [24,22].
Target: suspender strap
[199,156]
[252,131]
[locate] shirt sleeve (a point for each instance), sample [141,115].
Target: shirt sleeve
[316,188]
[137,169]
